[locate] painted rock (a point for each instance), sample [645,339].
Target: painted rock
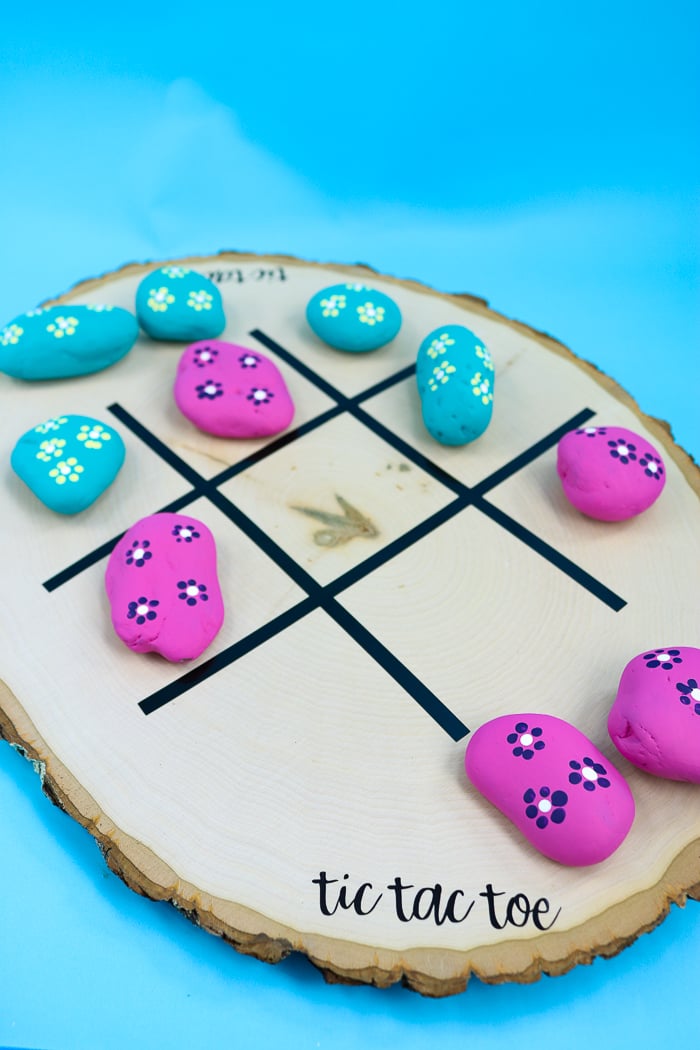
[455,377]
[163,588]
[232,392]
[353,317]
[655,720]
[68,461]
[609,473]
[557,788]
[56,342]
[179,304]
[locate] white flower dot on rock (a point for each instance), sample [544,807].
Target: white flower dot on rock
[544,805]
[185,533]
[139,553]
[623,450]
[588,773]
[526,739]
[142,610]
[695,693]
[210,388]
[192,592]
[259,395]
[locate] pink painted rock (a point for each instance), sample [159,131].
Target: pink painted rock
[609,473]
[553,784]
[232,392]
[655,720]
[163,589]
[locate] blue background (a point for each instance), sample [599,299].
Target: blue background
[543,156]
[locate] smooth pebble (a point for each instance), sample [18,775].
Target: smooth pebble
[68,461]
[180,305]
[609,473]
[555,786]
[655,720]
[455,376]
[353,317]
[57,342]
[163,587]
[231,391]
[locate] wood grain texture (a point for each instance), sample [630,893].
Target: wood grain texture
[305,753]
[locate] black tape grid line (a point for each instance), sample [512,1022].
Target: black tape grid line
[467,495]
[352,406]
[242,465]
[319,597]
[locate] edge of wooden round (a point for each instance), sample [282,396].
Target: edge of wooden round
[431,972]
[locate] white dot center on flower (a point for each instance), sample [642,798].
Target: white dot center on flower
[248,360]
[588,773]
[192,592]
[210,388]
[205,356]
[652,467]
[64,468]
[526,739]
[623,450]
[185,533]
[259,395]
[139,553]
[142,610]
[544,805]
[695,693]
[662,657]
[590,430]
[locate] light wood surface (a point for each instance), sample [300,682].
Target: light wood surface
[312,752]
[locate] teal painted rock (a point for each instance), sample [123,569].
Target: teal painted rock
[56,342]
[180,305]
[68,461]
[455,376]
[352,317]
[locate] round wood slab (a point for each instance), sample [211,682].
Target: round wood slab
[301,787]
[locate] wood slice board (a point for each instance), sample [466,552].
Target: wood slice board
[329,736]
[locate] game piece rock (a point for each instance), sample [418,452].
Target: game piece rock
[57,342]
[557,788]
[231,391]
[179,304]
[163,587]
[353,317]
[68,461]
[455,377]
[609,473]
[655,720]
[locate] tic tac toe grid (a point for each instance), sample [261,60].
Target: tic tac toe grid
[324,597]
